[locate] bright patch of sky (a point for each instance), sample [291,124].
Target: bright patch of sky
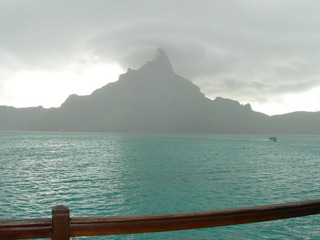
[51,88]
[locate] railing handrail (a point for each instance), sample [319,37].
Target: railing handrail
[26,228]
[93,226]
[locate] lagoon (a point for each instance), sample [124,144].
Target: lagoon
[124,174]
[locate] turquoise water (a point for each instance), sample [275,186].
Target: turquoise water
[119,174]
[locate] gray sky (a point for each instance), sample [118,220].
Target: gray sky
[266,53]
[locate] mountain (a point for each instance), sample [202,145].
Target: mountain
[154,99]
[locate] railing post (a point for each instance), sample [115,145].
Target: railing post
[60,223]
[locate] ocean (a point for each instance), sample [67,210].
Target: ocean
[125,174]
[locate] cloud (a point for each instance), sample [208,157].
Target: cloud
[206,47]
[229,48]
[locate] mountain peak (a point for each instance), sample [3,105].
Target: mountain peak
[162,56]
[158,69]
[162,62]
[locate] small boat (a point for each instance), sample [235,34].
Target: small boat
[274,139]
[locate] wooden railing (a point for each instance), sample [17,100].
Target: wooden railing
[62,227]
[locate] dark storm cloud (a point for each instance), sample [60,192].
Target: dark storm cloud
[234,48]
[271,43]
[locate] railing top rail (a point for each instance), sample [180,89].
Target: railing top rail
[25,222]
[190,220]
[92,226]
[26,228]
[300,207]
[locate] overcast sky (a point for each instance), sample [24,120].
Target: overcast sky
[266,53]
